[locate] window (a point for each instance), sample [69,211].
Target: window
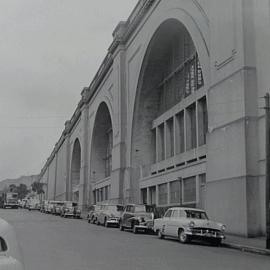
[108,157]
[175,214]
[168,213]
[161,143]
[189,185]
[196,214]
[169,138]
[191,132]
[202,120]
[163,194]
[144,195]
[202,179]
[152,195]
[175,192]
[180,133]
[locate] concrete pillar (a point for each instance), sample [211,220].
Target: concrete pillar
[83,187]
[232,158]
[55,175]
[119,170]
[68,164]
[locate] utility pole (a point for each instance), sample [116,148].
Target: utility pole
[267,171]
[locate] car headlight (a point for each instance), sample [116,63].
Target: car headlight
[191,224]
[223,228]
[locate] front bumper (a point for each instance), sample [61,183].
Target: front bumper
[205,233]
[144,225]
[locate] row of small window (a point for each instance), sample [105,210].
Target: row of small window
[182,191]
[183,132]
[101,194]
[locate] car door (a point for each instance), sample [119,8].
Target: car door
[165,221]
[127,215]
[173,223]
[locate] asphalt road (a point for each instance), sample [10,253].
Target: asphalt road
[54,243]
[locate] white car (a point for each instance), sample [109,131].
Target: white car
[187,224]
[10,253]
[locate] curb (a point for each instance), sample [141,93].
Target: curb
[249,249]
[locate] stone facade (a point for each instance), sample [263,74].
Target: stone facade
[173,115]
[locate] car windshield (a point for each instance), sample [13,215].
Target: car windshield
[117,208]
[140,208]
[196,214]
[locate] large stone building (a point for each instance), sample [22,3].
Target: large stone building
[173,115]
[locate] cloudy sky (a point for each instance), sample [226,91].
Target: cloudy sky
[49,50]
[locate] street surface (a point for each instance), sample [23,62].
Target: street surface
[53,243]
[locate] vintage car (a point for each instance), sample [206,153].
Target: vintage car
[109,214]
[57,207]
[10,252]
[93,213]
[137,218]
[33,204]
[187,224]
[70,209]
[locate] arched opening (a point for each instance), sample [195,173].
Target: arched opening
[171,72]
[75,170]
[101,152]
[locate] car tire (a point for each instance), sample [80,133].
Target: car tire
[216,242]
[121,227]
[183,237]
[160,234]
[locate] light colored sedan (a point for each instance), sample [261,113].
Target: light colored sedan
[109,215]
[187,224]
[10,253]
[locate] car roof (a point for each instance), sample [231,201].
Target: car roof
[186,208]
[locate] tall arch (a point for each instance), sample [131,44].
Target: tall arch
[171,72]
[75,169]
[101,153]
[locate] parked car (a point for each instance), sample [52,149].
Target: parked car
[109,215]
[93,213]
[70,209]
[33,204]
[10,252]
[46,206]
[57,207]
[187,224]
[22,203]
[137,218]
[49,208]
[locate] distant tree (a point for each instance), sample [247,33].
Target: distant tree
[21,190]
[38,187]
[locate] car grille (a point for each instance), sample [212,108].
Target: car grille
[204,231]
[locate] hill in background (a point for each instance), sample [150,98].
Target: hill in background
[27,180]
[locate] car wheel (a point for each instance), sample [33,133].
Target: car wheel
[183,238]
[160,234]
[216,242]
[121,227]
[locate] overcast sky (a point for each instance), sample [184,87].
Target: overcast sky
[49,50]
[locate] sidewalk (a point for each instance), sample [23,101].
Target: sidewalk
[254,245]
